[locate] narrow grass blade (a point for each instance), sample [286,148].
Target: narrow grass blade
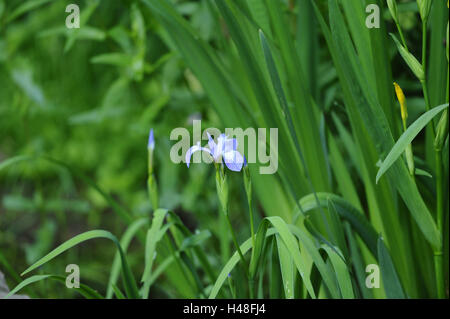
[128,278]
[25,7]
[346,211]
[153,237]
[407,137]
[119,294]
[125,241]
[84,290]
[287,269]
[391,282]
[258,249]
[342,273]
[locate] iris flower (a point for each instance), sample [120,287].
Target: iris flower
[225,150]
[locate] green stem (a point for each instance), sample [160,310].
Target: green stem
[424,46]
[232,288]
[439,274]
[424,66]
[248,190]
[252,227]
[251,285]
[233,235]
[438,264]
[402,36]
[252,230]
[438,261]
[439,191]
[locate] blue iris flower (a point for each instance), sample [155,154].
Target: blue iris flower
[225,150]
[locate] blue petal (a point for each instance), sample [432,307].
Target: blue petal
[191,151]
[234,160]
[212,145]
[194,149]
[229,144]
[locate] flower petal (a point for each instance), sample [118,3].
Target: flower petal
[234,160]
[194,149]
[226,144]
[212,145]
[230,144]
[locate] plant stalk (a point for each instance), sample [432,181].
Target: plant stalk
[438,261]
[233,235]
[402,37]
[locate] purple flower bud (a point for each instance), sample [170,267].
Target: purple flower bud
[151,140]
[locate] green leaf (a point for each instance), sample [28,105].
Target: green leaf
[407,137]
[84,290]
[128,278]
[345,210]
[410,59]
[231,263]
[287,269]
[421,172]
[118,59]
[25,7]
[342,273]
[293,248]
[389,276]
[154,235]
[125,241]
[287,235]
[257,250]
[119,294]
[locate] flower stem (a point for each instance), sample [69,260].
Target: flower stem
[252,227]
[251,287]
[233,235]
[424,66]
[248,190]
[438,262]
[402,37]
[439,274]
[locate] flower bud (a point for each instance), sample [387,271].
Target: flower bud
[402,100]
[392,5]
[411,61]
[441,131]
[151,140]
[424,8]
[410,159]
[222,187]
[247,181]
[150,149]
